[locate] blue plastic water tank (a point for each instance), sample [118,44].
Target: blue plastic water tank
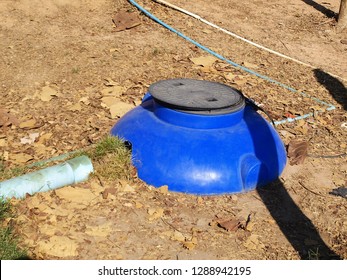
[201,137]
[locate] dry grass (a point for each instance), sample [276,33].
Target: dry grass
[111,159]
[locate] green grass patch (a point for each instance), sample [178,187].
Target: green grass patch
[111,158]
[109,145]
[5,209]
[8,173]
[9,249]
[13,172]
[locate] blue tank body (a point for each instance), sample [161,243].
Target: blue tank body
[202,154]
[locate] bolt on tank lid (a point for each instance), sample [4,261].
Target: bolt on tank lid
[197,96]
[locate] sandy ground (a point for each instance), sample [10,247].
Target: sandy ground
[68,73]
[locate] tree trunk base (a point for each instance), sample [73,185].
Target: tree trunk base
[342,21]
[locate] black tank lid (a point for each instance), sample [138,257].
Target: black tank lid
[197,97]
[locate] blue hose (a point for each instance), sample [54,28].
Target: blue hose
[330,106]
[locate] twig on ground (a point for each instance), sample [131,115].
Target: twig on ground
[306,188]
[165,222]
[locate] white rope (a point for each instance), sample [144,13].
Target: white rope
[241,38]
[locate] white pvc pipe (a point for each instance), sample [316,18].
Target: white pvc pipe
[72,171]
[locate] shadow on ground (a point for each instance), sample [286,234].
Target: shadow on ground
[336,88]
[296,227]
[294,224]
[325,11]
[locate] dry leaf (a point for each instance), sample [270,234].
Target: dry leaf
[208,69]
[34,202]
[101,230]
[165,234]
[178,236]
[29,139]
[47,229]
[3,142]
[302,126]
[114,91]
[84,100]
[40,149]
[297,152]
[30,124]
[108,81]
[109,101]
[45,137]
[137,102]
[4,118]
[300,123]
[339,181]
[108,191]
[57,211]
[189,245]
[5,155]
[163,189]
[250,65]
[78,205]
[230,224]
[236,79]
[206,31]
[21,157]
[125,187]
[250,225]
[76,195]
[47,93]
[155,213]
[76,107]
[138,204]
[96,187]
[200,200]
[119,109]
[205,61]
[253,243]
[128,204]
[128,188]
[58,246]
[7,119]
[125,20]
[230,76]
